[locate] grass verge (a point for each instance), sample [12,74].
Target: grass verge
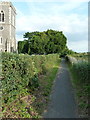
[43,94]
[82,91]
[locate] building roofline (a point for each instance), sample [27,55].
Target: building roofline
[8,3]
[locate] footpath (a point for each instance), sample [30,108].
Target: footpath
[62,100]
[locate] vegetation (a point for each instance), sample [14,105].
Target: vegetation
[46,42]
[27,80]
[80,70]
[26,83]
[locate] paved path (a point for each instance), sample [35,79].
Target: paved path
[62,104]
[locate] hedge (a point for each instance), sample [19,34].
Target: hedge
[20,73]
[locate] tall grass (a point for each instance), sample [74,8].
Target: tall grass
[80,71]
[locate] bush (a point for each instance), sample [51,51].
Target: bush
[81,70]
[20,73]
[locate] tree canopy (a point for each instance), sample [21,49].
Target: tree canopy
[46,42]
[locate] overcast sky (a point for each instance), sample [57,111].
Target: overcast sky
[69,16]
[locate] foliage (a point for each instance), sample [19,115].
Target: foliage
[20,75]
[66,51]
[81,70]
[46,42]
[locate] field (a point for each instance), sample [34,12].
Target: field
[80,69]
[26,83]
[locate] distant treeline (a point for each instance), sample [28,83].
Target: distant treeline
[46,42]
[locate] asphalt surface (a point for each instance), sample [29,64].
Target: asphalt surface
[62,100]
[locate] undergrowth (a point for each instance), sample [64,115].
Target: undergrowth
[80,73]
[26,83]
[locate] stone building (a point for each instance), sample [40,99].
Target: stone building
[7,27]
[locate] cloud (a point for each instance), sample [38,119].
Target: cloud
[53,15]
[58,17]
[78,46]
[72,24]
[66,6]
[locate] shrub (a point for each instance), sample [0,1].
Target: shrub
[81,70]
[20,73]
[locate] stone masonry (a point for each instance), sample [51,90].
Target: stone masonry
[7,27]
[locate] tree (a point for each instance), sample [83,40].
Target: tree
[46,42]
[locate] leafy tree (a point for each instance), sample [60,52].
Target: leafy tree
[46,42]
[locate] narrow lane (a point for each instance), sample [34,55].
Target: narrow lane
[62,101]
